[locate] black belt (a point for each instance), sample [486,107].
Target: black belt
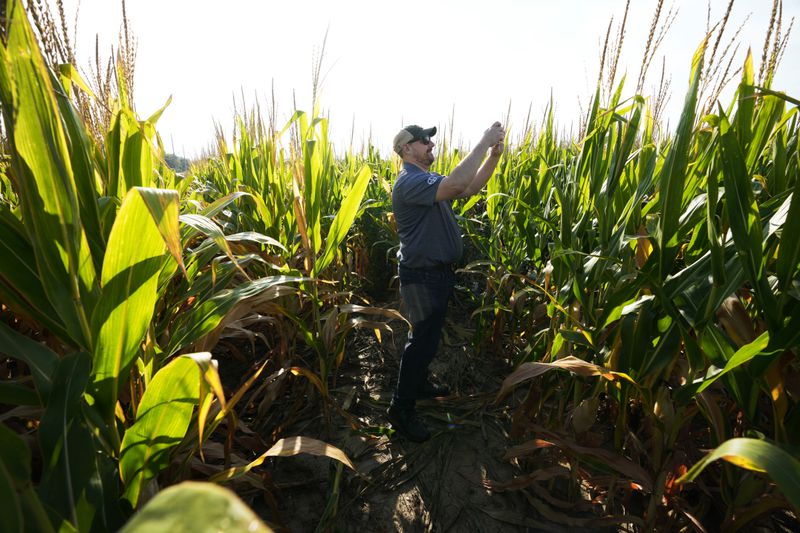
[441,267]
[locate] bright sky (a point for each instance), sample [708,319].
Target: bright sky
[389,64]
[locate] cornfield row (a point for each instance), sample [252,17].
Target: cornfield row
[644,287]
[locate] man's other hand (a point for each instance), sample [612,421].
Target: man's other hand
[494,136]
[497,149]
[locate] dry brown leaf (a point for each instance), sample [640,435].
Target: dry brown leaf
[521,482]
[609,458]
[530,370]
[285,448]
[295,445]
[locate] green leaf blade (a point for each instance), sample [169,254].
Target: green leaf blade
[344,219]
[133,260]
[46,185]
[759,456]
[162,420]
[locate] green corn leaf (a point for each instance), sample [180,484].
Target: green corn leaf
[66,442]
[69,75]
[759,456]
[20,507]
[108,207]
[20,286]
[162,419]
[581,338]
[195,506]
[620,156]
[16,394]
[294,118]
[103,492]
[214,208]
[115,144]
[591,119]
[16,455]
[266,215]
[786,338]
[747,103]
[203,319]
[137,156]
[742,209]
[493,188]
[525,208]
[11,517]
[789,250]
[664,353]
[152,119]
[770,112]
[777,176]
[42,165]
[715,246]
[720,352]
[673,172]
[208,227]
[163,207]
[39,358]
[779,94]
[619,300]
[133,260]
[742,355]
[694,278]
[344,219]
[81,148]
[313,205]
[130,152]
[252,236]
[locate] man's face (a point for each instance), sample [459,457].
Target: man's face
[421,151]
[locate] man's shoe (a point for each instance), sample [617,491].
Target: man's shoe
[408,424]
[429,390]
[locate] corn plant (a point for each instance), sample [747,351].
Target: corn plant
[299,194]
[673,278]
[95,255]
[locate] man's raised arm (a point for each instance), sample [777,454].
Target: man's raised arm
[467,176]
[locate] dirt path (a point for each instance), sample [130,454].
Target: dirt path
[438,485]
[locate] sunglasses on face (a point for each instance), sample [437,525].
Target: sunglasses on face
[426,140]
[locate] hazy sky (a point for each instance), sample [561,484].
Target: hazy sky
[387,63]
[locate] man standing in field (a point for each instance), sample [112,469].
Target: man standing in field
[430,244]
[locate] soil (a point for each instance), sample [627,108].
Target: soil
[439,485]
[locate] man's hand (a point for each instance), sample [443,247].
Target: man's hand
[467,178]
[494,136]
[497,149]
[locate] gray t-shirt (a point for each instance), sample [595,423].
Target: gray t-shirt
[429,233]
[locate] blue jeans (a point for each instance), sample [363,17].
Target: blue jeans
[425,293]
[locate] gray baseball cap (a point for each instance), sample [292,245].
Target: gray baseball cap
[410,134]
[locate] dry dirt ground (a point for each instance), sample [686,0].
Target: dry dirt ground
[437,486]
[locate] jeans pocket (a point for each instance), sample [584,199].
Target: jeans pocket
[418,302]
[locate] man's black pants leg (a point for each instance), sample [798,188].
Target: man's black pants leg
[425,293]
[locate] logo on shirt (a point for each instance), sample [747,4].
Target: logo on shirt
[432,180]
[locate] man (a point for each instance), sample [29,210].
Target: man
[430,244]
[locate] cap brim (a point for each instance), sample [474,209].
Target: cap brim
[430,132]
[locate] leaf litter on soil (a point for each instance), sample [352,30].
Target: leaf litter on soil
[445,484]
